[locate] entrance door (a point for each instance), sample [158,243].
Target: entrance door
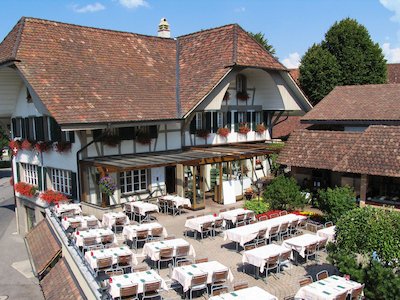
[170,179]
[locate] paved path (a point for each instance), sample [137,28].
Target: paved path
[16,278]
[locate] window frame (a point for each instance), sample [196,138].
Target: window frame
[31,175]
[64,178]
[142,184]
[199,120]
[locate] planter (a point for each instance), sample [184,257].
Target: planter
[242,96]
[223,132]
[202,133]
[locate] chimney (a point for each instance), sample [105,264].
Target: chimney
[163,29]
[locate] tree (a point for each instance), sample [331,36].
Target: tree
[319,73]
[260,38]
[334,203]
[358,59]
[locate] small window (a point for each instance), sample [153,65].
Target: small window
[241,83]
[133,181]
[241,117]
[199,120]
[61,181]
[220,119]
[126,133]
[30,174]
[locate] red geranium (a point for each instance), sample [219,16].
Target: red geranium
[14,146]
[63,146]
[42,146]
[25,189]
[26,145]
[243,128]
[260,128]
[223,131]
[51,196]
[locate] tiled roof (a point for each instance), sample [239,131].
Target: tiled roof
[60,283]
[393,73]
[376,152]
[317,149]
[286,125]
[375,102]
[90,75]
[43,246]
[295,73]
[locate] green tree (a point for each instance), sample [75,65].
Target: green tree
[284,193]
[260,38]
[336,202]
[358,59]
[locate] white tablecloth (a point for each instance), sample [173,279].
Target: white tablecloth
[65,222]
[250,293]
[63,207]
[97,233]
[327,288]
[129,231]
[177,200]
[109,218]
[144,207]
[196,223]
[299,243]
[152,250]
[258,256]
[184,274]
[92,256]
[328,232]
[139,278]
[231,215]
[247,233]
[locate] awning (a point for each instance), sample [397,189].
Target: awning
[192,156]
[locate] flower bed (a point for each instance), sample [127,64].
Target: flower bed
[25,189]
[51,196]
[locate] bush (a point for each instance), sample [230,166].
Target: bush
[284,193]
[258,206]
[336,202]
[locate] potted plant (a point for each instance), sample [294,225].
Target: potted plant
[243,128]
[53,197]
[203,133]
[143,138]
[227,96]
[14,145]
[260,128]
[107,185]
[25,189]
[111,140]
[63,146]
[26,145]
[242,95]
[42,146]
[224,132]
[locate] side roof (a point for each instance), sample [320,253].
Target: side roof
[91,75]
[358,103]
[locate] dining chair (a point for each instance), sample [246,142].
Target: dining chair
[129,292]
[356,293]
[166,254]
[103,264]
[283,213]
[206,228]
[273,233]
[261,237]
[240,285]
[151,290]
[182,252]
[92,224]
[322,275]
[124,261]
[328,224]
[311,251]
[141,236]
[218,281]
[119,223]
[198,283]
[273,216]
[271,264]
[107,240]
[240,220]
[89,243]
[305,281]
[284,230]
[201,260]
[284,260]
[217,226]
[156,234]
[249,217]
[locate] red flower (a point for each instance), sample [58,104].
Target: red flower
[42,146]
[215,215]
[25,189]
[223,131]
[53,197]
[63,146]
[26,145]
[14,146]
[260,128]
[243,129]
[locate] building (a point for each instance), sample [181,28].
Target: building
[353,139]
[156,114]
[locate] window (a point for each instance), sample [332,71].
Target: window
[126,133]
[199,120]
[220,119]
[257,117]
[133,181]
[61,181]
[17,127]
[30,174]
[241,83]
[241,117]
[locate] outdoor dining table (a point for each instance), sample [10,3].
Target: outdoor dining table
[177,200]
[143,207]
[328,232]
[152,249]
[60,208]
[184,274]
[129,231]
[326,289]
[139,278]
[93,255]
[97,233]
[66,221]
[197,223]
[259,256]
[299,243]
[249,293]
[231,215]
[109,218]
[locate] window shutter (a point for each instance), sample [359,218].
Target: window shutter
[71,136]
[55,130]
[74,189]
[208,121]
[236,121]
[40,179]
[44,179]
[214,117]
[192,128]
[253,121]
[248,120]
[21,126]
[14,127]
[17,172]
[229,120]
[39,128]
[26,128]
[265,118]
[46,137]
[96,134]
[126,133]
[153,132]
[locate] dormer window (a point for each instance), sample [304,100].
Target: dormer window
[241,83]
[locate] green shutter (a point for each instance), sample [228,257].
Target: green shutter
[253,121]
[71,136]
[26,126]
[153,132]
[228,120]
[14,127]
[17,172]
[22,128]
[248,119]
[55,130]
[192,128]
[214,117]
[40,179]
[74,191]
[39,128]
[236,121]
[44,178]
[208,121]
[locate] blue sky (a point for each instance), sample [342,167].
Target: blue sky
[291,26]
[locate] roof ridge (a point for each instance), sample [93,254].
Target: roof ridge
[18,37]
[112,31]
[205,30]
[367,85]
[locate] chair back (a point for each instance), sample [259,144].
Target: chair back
[305,281]
[157,231]
[248,247]
[322,243]
[328,224]
[274,215]
[342,296]
[199,279]
[322,275]
[68,213]
[240,217]
[219,291]
[125,259]
[89,241]
[218,223]
[284,227]
[285,256]
[120,220]
[274,229]
[220,276]
[250,215]
[114,272]
[140,269]
[240,285]
[170,203]
[206,225]
[105,262]
[182,250]
[74,224]
[136,210]
[109,238]
[128,291]
[201,260]
[170,237]
[311,249]
[294,224]
[261,233]
[272,261]
[283,213]
[183,262]
[262,218]
[128,208]
[356,293]
[153,286]
[142,234]
[92,223]
[166,252]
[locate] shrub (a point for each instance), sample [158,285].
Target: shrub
[336,202]
[258,206]
[284,193]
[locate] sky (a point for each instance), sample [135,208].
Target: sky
[291,26]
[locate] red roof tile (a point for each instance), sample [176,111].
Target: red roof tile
[317,149]
[286,125]
[43,246]
[60,283]
[295,73]
[375,102]
[393,73]
[376,152]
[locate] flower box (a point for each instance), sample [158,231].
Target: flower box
[26,145]
[203,133]
[242,96]
[43,146]
[63,146]
[111,140]
[25,189]
[224,132]
[51,196]
[14,145]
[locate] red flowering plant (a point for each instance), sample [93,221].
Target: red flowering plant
[14,145]
[243,128]
[111,140]
[51,196]
[42,146]
[63,146]
[224,132]
[202,133]
[26,145]
[25,189]
[241,95]
[260,128]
